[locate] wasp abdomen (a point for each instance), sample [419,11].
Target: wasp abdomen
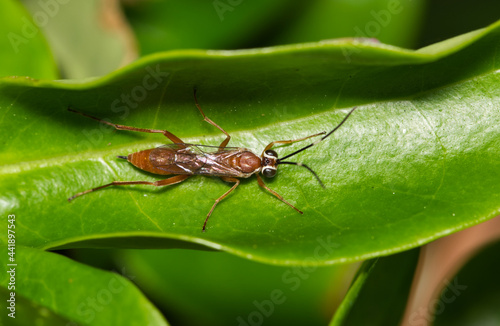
[148,161]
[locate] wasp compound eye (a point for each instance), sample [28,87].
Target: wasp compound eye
[269,172]
[271,153]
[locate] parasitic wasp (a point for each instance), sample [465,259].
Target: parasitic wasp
[183,160]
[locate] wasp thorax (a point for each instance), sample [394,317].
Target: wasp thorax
[269,159]
[249,162]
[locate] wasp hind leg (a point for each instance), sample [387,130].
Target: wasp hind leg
[207,119]
[166,133]
[160,183]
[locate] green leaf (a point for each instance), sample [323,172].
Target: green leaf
[472,296]
[23,49]
[53,284]
[28,312]
[225,290]
[416,161]
[388,278]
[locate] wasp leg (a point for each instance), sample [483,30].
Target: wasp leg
[261,183]
[165,182]
[166,133]
[225,141]
[227,179]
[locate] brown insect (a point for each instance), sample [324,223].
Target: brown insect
[229,163]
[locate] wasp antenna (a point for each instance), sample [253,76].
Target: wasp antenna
[321,139]
[305,166]
[123,157]
[194,95]
[340,124]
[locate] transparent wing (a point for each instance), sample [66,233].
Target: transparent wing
[194,159]
[199,149]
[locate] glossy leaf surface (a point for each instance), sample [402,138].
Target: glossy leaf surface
[417,160]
